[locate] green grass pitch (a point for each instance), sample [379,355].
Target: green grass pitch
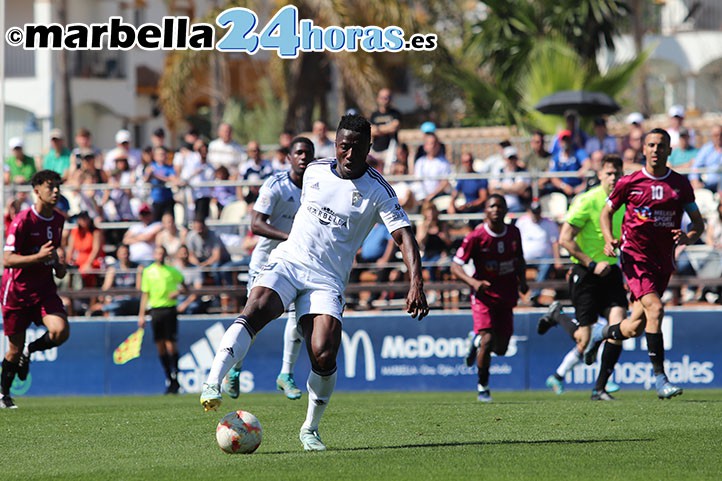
[371,436]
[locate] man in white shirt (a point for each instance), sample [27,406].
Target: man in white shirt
[224,151]
[342,200]
[431,170]
[323,146]
[122,149]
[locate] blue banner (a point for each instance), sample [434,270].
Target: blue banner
[380,352]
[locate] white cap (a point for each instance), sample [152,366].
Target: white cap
[122,136]
[510,152]
[16,143]
[676,111]
[635,118]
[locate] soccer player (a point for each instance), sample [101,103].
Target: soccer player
[495,249]
[28,292]
[656,198]
[160,286]
[595,283]
[342,200]
[271,219]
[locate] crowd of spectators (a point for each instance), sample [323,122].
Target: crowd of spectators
[123,202]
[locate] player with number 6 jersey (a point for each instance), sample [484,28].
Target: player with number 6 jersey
[28,293]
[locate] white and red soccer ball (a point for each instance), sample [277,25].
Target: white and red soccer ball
[239,432]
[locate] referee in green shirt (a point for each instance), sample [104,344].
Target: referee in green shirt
[161,285]
[595,282]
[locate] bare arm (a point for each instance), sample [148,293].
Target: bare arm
[567,239]
[45,254]
[141,311]
[260,226]
[416,303]
[695,231]
[605,224]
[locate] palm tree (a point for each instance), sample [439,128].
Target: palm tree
[301,83]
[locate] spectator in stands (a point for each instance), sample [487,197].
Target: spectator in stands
[140,190]
[58,157]
[429,128]
[122,149]
[432,170]
[538,161]
[196,170]
[324,147]
[226,152]
[170,236]
[513,182]
[122,274]
[280,160]
[432,235]
[495,162]
[569,158]
[378,248]
[601,140]
[385,123]
[256,169]
[684,154]
[87,169]
[571,124]
[116,201]
[475,191]
[708,163]
[635,121]
[540,243]
[676,119]
[162,177]
[712,265]
[189,303]
[208,251]
[83,143]
[140,237]
[157,138]
[402,154]
[223,194]
[632,160]
[85,249]
[19,168]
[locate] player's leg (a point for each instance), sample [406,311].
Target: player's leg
[322,333]
[58,331]
[654,311]
[264,304]
[292,338]
[16,341]
[483,363]
[231,381]
[610,355]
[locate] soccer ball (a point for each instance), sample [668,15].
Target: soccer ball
[239,432]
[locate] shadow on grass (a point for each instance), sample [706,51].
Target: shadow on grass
[477,443]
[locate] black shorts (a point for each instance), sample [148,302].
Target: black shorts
[165,323]
[592,295]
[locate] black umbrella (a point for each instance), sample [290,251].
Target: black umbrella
[584,102]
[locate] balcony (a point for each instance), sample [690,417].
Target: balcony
[97,64]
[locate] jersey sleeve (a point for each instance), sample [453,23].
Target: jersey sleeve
[393,215]
[465,250]
[177,275]
[266,197]
[144,282]
[15,235]
[686,193]
[578,214]
[619,194]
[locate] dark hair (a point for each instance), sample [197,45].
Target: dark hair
[538,133]
[497,196]
[43,176]
[84,215]
[662,132]
[355,123]
[303,140]
[613,159]
[404,147]
[505,143]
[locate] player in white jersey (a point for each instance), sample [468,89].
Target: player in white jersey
[342,199]
[278,201]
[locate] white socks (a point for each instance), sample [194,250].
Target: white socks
[291,344]
[570,360]
[233,348]
[320,389]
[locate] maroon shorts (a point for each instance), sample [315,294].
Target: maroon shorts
[643,279]
[497,317]
[18,319]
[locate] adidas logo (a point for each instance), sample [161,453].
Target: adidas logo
[315,186]
[193,367]
[290,199]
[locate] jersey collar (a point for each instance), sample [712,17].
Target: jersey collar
[492,233]
[645,172]
[40,216]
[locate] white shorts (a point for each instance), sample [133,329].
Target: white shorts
[311,293]
[252,275]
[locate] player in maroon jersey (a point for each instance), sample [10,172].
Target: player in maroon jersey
[656,198]
[495,249]
[28,293]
